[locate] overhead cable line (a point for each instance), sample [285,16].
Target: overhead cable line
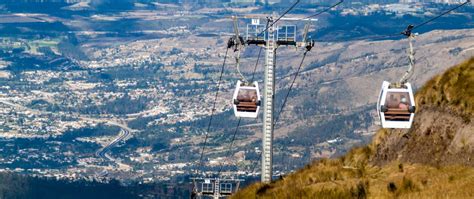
[289,90]
[325,10]
[440,15]
[256,64]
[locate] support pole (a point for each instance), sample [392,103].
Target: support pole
[271,43]
[269,90]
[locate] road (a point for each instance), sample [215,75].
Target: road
[103,151]
[124,133]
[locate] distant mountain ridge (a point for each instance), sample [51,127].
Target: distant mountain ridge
[433,159]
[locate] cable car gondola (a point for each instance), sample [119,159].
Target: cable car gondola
[396,106]
[246,100]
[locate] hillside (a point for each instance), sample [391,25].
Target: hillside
[433,159]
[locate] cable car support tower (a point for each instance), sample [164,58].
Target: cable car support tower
[270,38]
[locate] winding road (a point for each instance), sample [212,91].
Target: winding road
[124,133]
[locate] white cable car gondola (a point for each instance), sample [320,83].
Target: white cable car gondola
[246,100]
[396,106]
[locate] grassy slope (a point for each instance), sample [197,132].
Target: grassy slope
[453,89]
[356,175]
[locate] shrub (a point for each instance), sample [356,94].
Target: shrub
[408,186]
[391,187]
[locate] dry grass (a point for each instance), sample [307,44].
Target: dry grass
[336,179]
[453,89]
[328,179]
